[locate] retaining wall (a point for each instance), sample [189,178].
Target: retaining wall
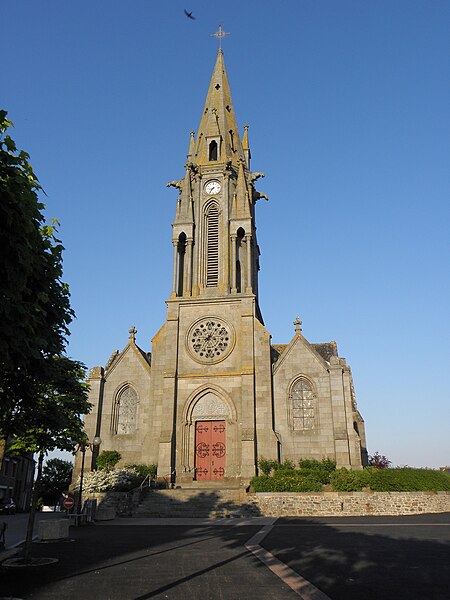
[329,504]
[123,503]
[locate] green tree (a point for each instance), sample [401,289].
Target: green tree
[56,476]
[53,421]
[34,302]
[42,392]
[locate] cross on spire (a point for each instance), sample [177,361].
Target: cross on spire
[220,34]
[133,332]
[297,324]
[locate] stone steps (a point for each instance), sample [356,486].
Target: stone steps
[195,503]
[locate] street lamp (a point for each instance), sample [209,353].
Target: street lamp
[82,447]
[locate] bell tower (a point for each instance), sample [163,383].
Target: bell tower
[211,365]
[214,233]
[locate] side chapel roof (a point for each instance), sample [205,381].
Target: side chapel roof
[325,350]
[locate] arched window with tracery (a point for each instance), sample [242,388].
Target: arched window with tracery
[302,405]
[125,411]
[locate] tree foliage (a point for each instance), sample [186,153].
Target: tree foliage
[379,461]
[56,476]
[34,302]
[42,392]
[108,459]
[144,470]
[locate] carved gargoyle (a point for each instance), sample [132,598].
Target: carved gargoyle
[255,176]
[176,184]
[259,195]
[228,165]
[193,167]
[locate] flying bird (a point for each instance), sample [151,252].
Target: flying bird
[189,14]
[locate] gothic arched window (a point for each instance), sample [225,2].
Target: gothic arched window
[125,411]
[302,405]
[181,249]
[241,254]
[212,245]
[213,150]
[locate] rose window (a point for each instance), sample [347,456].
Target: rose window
[210,339]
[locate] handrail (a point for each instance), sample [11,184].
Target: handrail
[143,481]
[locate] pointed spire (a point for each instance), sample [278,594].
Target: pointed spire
[218,123]
[191,146]
[241,205]
[185,211]
[246,147]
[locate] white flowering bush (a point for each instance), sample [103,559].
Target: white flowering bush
[117,480]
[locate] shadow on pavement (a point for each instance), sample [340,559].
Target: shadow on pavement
[369,558]
[119,562]
[380,558]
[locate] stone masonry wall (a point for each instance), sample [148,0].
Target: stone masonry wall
[123,503]
[327,504]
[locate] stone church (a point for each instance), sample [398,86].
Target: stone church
[214,394]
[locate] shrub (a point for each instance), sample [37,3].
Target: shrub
[326,464]
[286,482]
[390,480]
[266,466]
[318,469]
[343,480]
[409,480]
[286,465]
[107,460]
[117,480]
[144,470]
[317,474]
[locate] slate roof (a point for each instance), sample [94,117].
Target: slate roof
[326,350]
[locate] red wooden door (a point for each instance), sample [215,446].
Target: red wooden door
[209,450]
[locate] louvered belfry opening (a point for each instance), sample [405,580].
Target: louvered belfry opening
[181,248]
[212,237]
[213,150]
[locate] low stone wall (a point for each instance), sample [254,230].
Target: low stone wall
[123,503]
[328,504]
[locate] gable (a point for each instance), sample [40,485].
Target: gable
[297,354]
[131,359]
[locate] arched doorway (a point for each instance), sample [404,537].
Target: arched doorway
[209,446]
[210,450]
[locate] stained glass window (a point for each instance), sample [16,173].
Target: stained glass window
[125,411]
[302,398]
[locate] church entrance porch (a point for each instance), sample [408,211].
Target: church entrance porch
[210,450]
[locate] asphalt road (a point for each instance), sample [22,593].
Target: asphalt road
[135,559]
[124,561]
[16,526]
[368,558]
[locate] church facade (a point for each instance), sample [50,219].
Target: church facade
[214,395]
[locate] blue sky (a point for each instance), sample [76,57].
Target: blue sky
[348,107]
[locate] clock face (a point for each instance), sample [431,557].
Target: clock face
[212,187]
